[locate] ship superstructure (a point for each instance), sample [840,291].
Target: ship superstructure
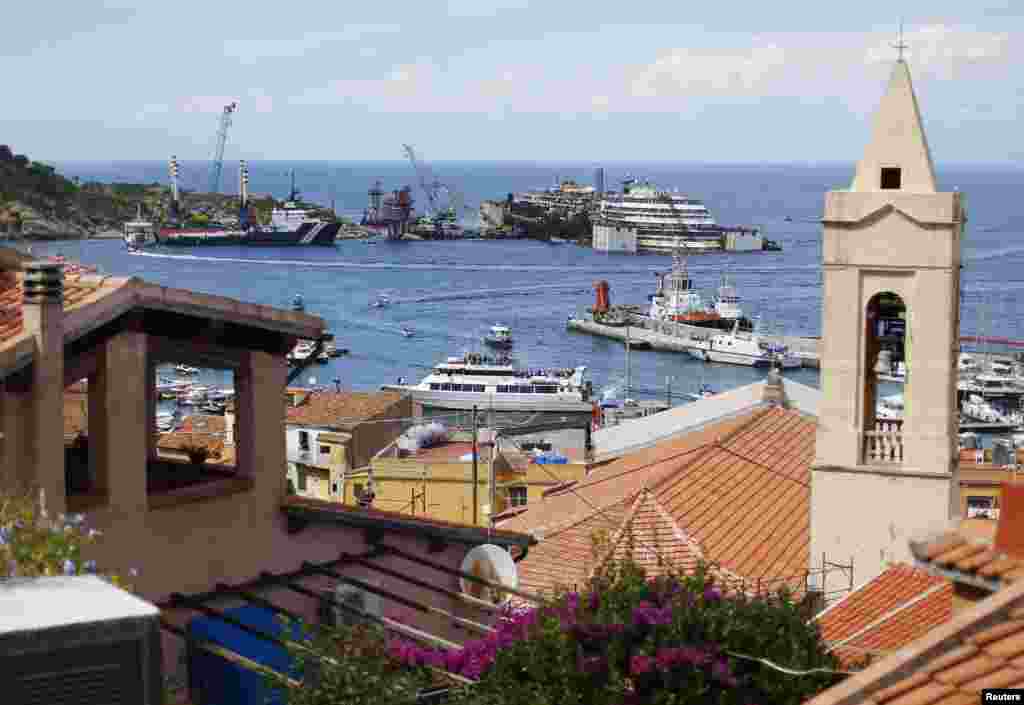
[663,221]
[498,383]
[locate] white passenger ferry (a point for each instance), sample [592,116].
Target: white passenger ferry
[497,383]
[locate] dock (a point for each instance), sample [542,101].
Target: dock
[676,337]
[981,427]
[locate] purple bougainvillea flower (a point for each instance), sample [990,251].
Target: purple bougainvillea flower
[5,535]
[90,567]
[69,567]
[595,601]
[712,594]
[594,664]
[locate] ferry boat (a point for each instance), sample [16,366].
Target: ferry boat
[499,337]
[497,383]
[662,220]
[742,349]
[676,300]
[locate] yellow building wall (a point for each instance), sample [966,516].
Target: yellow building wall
[439,490]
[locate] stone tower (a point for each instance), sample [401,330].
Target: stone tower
[891,261]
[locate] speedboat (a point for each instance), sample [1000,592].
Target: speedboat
[301,352]
[499,337]
[298,304]
[704,392]
[186,370]
[381,302]
[408,332]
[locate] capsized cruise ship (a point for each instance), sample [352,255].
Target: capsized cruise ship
[661,221]
[497,383]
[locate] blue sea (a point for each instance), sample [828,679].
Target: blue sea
[450,293]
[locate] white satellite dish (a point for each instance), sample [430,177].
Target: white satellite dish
[493,564]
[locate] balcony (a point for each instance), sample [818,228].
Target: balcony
[884,444]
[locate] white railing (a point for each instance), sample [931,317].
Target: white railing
[883,445]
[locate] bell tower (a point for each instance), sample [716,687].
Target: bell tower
[891,272]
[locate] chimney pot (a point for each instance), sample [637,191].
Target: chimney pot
[44,283]
[1010,531]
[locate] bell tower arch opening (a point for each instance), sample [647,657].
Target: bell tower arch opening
[885,352]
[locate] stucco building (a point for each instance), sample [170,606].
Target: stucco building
[197,532]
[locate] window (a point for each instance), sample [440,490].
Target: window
[334,489]
[891,178]
[301,474]
[980,508]
[517,496]
[325,450]
[304,440]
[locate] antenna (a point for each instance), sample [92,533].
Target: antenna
[900,45]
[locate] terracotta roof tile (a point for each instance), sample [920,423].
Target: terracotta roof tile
[203,423]
[860,623]
[339,409]
[735,493]
[971,558]
[981,647]
[77,291]
[177,441]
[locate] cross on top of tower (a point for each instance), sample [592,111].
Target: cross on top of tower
[900,45]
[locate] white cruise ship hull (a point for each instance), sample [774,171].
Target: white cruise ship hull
[488,400]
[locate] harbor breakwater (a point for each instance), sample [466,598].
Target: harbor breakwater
[676,337]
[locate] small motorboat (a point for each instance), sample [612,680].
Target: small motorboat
[381,302]
[186,370]
[408,332]
[499,337]
[323,358]
[298,304]
[704,392]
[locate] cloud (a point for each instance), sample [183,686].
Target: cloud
[252,50]
[809,67]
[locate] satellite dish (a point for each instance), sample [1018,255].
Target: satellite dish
[493,564]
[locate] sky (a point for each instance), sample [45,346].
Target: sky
[544,81]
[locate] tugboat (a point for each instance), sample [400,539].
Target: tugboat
[676,300]
[139,233]
[499,337]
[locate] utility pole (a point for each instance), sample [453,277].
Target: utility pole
[628,366]
[476,502]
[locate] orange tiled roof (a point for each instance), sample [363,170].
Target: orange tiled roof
[177,441]
[339,409]
[203,423]
[968,555]
[76,292]
[982,647]
[738,490]
[900,605]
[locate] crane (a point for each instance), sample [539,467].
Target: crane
[429,186]
[218,154]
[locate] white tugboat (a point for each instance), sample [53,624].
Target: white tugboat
[677,301]
[499,337]
[497,383]
[738,348]
[139,233]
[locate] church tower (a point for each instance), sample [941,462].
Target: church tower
[891,271]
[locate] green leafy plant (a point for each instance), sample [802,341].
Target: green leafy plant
[34,544]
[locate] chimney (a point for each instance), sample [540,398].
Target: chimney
[1010,530]
[774,393]
[43,318]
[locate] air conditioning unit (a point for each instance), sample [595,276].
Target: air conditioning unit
[77,640]
[359,599]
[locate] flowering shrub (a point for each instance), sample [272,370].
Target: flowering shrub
[34,544]
[629,639]
[625,640]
